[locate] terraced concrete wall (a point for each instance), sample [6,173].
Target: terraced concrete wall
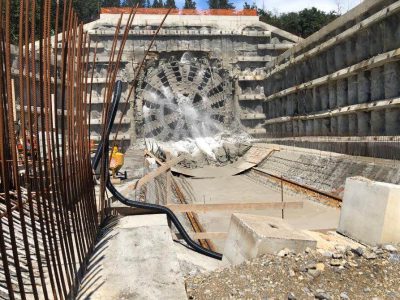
[236,45]
[339,90]
[327,171]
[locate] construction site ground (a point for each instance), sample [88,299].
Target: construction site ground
[324,273]
[342,273]
[245,189]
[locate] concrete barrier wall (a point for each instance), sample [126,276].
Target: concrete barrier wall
[343,81]
[371,212]
[327,171]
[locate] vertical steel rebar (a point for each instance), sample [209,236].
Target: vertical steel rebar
[283,209]
[48,215]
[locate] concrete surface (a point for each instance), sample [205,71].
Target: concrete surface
[371,211]
[331,240]
[193,263]
[250,236]
[327,171]
[308,105]
[238,189]
[135,259]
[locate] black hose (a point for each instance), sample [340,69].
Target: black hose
[159,209]
[109,123]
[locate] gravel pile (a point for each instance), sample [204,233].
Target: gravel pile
[345,273]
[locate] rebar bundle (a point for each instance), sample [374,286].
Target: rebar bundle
[49,214]
[49,218]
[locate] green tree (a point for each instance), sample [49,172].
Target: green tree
[189,4]
[226,4]
[110,3]
[213,4]
[302,23]
[158,4]
[217,4]
[87,10]
[170,4]
[248,6]
[147,5]
[312,20]
[14,21]
[132,3]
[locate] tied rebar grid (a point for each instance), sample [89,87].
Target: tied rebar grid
[48,213]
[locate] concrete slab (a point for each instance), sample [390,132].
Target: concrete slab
[193,263]
[135,259]
[250,236]
[371,211]
[241,189]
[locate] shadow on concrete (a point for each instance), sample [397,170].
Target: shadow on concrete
[93,278]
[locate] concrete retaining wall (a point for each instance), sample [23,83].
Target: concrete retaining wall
[343,81]
[326,171]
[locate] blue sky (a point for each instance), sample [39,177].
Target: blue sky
[287,5]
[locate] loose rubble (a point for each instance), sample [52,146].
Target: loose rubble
[219,150]
[346,273]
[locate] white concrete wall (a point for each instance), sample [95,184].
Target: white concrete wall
[229,22]
[371,211]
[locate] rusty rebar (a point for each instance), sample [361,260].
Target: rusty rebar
[48,215]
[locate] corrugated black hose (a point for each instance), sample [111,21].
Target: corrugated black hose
[159,209]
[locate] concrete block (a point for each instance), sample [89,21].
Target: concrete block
[363,123]
[251,236]
[343,124]
[392,121]
[377,84]
[342,93]
[371,211]
[332,95]
[392,80]
[353,123]
[352,90]
[378,122]
[364,87]
[325,126]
